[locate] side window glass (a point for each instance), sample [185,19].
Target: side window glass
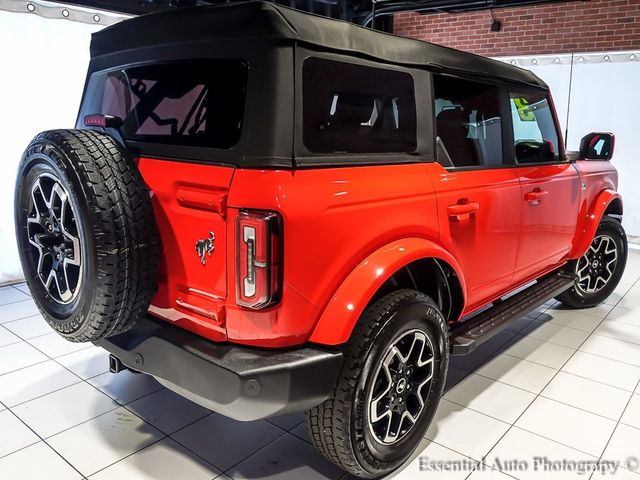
[468,125]
[534,131]
[350,108]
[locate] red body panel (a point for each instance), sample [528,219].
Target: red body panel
[599,182]
[549,200]
[347,230]
[333,219]
[483,240]
[345,307]
[189,202]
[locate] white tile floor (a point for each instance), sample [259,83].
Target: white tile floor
[559,384]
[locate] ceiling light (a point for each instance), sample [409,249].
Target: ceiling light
[31,7]
[606,58]
[65,13]
[534,61]
[96,18]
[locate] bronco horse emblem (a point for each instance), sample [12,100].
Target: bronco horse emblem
[205,247]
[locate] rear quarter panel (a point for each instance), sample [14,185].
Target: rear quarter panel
[333,219]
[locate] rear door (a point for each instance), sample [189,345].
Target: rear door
[550,194]
[183,121]
[478,198]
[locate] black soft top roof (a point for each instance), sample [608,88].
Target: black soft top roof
[263,20]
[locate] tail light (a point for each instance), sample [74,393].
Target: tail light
[259,269]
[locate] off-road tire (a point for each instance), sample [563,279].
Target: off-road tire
[338,426]
[115,226]
[575,297]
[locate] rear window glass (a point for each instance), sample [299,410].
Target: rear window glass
[351,108]
[196,104]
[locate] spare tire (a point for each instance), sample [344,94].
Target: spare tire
[86,233]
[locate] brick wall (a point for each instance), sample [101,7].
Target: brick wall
[579,26]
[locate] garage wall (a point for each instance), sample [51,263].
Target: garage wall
[44,64]
[578,26]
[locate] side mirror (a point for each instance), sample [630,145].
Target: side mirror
[597,146]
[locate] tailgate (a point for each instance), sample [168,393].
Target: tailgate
[190,202]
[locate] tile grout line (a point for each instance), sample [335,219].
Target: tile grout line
[43,440]
[547,384]
[54,359]
[493,352]
[616,428]
[538,395]
[286,431]
[552,368]
[500,349]
[2,327]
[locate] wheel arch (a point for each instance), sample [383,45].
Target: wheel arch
[608,202]
[414,263]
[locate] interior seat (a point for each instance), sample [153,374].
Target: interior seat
[452,126]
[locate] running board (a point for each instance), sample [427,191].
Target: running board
[466,336]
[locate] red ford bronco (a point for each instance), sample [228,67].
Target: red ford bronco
[273,212]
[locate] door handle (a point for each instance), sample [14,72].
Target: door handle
[463,209]
[535,196]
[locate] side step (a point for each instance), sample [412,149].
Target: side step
[466,336]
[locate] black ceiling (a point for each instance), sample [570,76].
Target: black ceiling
[358,11]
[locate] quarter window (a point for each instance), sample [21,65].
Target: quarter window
[534,130]
[193,104]
[350,108]
[468,123]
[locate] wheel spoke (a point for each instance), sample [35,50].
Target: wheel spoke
[55,239]
[596,267]
[401,386]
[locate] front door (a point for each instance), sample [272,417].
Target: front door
[550,186]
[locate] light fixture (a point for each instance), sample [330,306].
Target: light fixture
[606,58]
[496,25]
[632,56]
[513,62]
[534,61]
[581,59]
[65,13]
[96,18]
[556,60]
[31,7]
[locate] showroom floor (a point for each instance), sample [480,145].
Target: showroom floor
[558,384]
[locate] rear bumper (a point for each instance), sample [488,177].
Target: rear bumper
[240,382]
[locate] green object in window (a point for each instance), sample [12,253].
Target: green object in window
[524,110]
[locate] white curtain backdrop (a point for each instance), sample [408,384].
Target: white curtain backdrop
[603,88]
[43,65]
